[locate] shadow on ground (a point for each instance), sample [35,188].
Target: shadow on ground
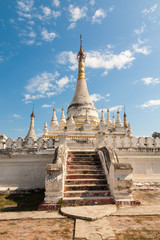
[27,201]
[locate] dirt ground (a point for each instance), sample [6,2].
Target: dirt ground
[124,227]
[42,229]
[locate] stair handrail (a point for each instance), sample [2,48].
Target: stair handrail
[110,156]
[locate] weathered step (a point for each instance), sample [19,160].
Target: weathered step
[85,187]
[87,176]
[84,163]
[84,171]
[87,193]
[85,182]
[87,201]
[81,153]
[88,167]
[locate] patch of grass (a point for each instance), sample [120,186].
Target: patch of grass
[28,201]
[11,223]
[3,233]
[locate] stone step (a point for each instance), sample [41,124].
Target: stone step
[81,153]
[85,182]
[84,171]
[98,163]
[87,176]
[85,187]
[87,193]
[87,201]
[86,167]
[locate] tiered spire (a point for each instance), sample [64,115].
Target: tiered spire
[81,100]
[108,119]
[54,123]
[118,120]
[62,122]
[102,117]
[31,132]
[129,130]
[45,129]
[125,119]
[113,121]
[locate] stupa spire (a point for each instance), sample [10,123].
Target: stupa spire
[54,123]
[125,119]
[108,119]
[62,122]
[31,132]
[81,100]
[81,58]
[118,120]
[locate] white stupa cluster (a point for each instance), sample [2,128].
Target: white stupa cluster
[82,114]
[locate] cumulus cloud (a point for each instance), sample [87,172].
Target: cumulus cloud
[152,9]
[150,81]
[151,104]
[56,3]
[45,85]
[48,36]
[25,6]
[98,16]
[95,97]
[71,26]
[76,13]
[46,11]
[99,59]
[112,109]
[56,14]
[141,49]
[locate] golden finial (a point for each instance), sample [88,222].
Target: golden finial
[125,119]
[81,57]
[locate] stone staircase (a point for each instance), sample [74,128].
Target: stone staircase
[85,181]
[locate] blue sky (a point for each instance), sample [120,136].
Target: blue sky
[38,45]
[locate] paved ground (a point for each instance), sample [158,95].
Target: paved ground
[106,222]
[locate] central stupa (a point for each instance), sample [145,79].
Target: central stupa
[81,102]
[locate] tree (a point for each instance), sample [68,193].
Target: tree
[156,134]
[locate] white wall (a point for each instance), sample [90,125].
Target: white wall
[146,166]
[23,171]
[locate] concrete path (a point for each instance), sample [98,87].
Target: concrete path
[90,213]
[138,210]
[97,230]
[30,215]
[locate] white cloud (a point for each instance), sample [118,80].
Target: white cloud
[108,94]
[46,11]
[151,103]
[92,2]
[46,85]
[95,97]
[17,116]
[56,14]
[152,9]
[141,49]
[115,108]
[62,82]
[76,13]
[99,59]
[99,15]
[71,26]
[56,3]
[47,105]
[25,5]
[112,109]
[48,36]
[140,30]
[150,81]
